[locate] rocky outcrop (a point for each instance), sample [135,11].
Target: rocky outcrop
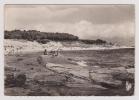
[20,80]
[113,78]
[9,80]
[117,78]
[50,79]
[12,80]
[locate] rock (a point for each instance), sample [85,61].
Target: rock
[38,92]
[65,67]
[12,80]
[78,83]
[31,68]
[20,80]
[110,85]
[128,86]
[52,79]
[123,76]
[16,91]
[105,80]
[39,60]
[127,75]
[9,68]
[131,70]
[44,59]
[9,80]
[130,66]
[112,77]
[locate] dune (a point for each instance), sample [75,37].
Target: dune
[18,46]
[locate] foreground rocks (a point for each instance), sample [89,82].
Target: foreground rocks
[114,78]
[83,76]
[50,79]
[78,75]
[67,76]
[106,77]
[12,80]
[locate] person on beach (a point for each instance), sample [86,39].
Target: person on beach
[45,52]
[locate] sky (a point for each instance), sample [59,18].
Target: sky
[114,23]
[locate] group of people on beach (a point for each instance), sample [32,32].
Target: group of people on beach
[11,50]
[52,52]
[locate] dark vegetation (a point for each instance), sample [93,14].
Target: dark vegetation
[44,37]
[41,37]
[98,41]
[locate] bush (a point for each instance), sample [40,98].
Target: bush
[43,41]
[97,42]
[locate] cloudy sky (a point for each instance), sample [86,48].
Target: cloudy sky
[112,22]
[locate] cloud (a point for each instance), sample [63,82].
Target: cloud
[88,30]
[98,14]
[111,22]
[34,14]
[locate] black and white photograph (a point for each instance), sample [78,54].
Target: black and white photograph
[69,49]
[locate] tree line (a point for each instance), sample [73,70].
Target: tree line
[44,37]
[38,36]
[97,41]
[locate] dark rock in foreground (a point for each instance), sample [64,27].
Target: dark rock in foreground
[12,80]
[50,79]
[9,80]
[114,78]
[20,80]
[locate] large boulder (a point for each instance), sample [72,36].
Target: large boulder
[111,77]
[105,80]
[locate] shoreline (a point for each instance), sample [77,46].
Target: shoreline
[79,49]
[23,46]
[103,48]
